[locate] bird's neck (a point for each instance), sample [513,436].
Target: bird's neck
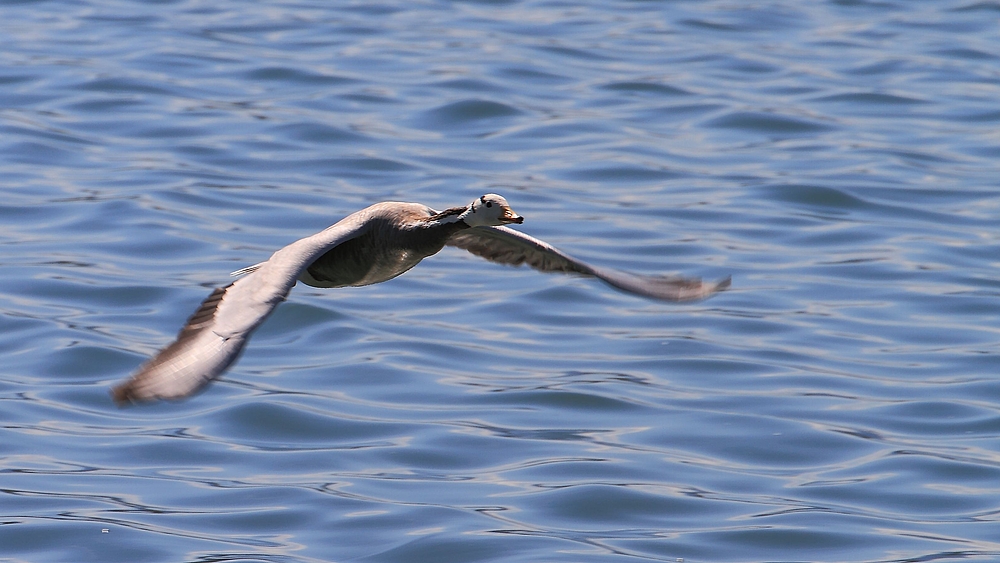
[451,220]
[446,223]
[450,215]
[446,228]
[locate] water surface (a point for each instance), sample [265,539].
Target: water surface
[838,159]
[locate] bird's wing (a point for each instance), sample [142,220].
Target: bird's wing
[214,336]
[507,246]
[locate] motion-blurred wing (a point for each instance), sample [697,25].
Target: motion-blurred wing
[507,246]
[214,336]
[196,357]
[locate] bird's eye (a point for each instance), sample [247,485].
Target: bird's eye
[489,204]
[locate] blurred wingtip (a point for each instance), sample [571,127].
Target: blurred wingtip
[123,394]
[724,283]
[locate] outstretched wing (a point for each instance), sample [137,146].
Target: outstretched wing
[507,246]
[214,336]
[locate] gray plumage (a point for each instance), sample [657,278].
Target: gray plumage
[507,246]
[370,246]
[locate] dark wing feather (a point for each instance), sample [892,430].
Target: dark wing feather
[507,246]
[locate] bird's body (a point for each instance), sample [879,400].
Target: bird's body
[395,237]
[369,246]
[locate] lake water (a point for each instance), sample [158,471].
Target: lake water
[839,159]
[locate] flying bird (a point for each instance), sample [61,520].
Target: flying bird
[369,246]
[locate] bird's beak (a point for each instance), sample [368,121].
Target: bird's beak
[510,217]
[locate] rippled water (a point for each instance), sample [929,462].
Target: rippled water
[839,159]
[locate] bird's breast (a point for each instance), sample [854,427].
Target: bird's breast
[359,264]
[386,250]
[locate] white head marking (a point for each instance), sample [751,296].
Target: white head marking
[490,210]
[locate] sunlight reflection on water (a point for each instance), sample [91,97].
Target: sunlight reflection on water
[838,403]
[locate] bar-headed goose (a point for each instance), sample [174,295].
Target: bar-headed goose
[370,246]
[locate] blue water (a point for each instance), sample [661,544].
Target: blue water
[839,159]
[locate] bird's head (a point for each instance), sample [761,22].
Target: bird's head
[490,210]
